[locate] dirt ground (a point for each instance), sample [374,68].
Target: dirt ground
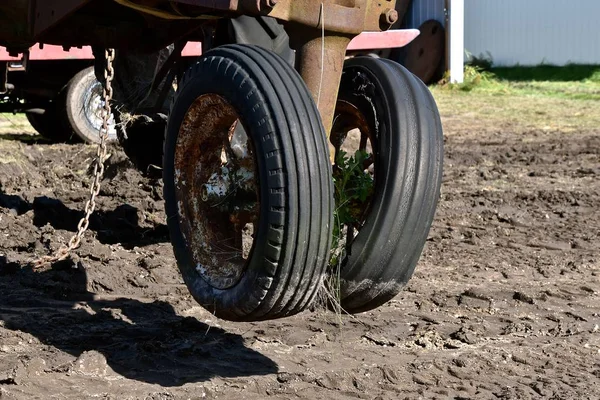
[505,302]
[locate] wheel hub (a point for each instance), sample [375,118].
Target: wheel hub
[93,106]
[217,190]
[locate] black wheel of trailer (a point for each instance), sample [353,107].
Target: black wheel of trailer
[142,140]
[47,124]
[387,181]
[247,184]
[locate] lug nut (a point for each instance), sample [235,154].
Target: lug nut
[390,16]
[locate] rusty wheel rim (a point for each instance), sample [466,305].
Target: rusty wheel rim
[350,121]
[216,187]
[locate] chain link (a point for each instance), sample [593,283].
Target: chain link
[101,157]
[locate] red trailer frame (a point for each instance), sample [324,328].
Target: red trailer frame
[365,41]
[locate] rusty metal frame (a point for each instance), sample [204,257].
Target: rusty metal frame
[343,16]
[320,31]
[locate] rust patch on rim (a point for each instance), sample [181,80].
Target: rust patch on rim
[347,118]
[216,187]
[350,121]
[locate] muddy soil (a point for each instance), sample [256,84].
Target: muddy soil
[505,302]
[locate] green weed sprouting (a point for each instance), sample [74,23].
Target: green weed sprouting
[353,187]
[473,76]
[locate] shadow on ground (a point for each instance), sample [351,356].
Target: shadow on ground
[144,341]
[120,225]
[549,73]
[25,138]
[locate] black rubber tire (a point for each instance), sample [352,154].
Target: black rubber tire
[408,148]
[291,245]
[142,141]
[70,105]
[142,137]
[47,124]
[262,31]
[38,122]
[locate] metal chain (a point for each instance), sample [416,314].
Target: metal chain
[101,157]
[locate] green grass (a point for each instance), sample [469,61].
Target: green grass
[577,82]
[524,98]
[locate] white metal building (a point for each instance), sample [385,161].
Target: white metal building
[515,32]
[532,32]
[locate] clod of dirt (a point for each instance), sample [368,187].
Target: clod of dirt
[149,263]
[475,298]
[525,298]
[380,341]
[431,340]
[36,367]
[518,328]
[421,380]
[465,336]
[91,363]
[284,377]
[459,373]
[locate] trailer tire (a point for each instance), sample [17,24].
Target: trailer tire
[47,124]
[79,107]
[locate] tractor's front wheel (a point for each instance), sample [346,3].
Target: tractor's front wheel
[247,183]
